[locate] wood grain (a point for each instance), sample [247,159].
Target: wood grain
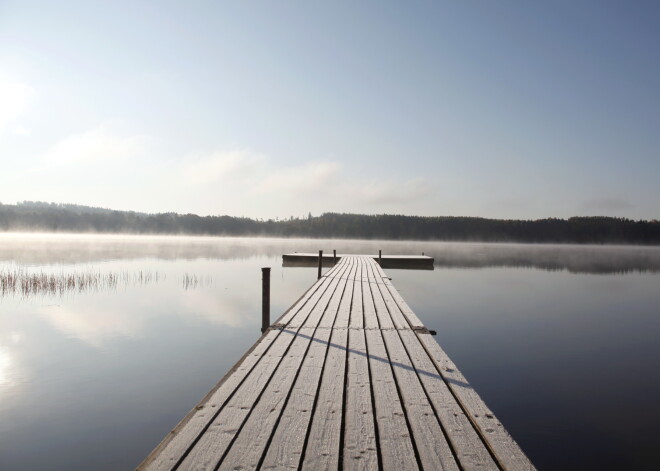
[348,378]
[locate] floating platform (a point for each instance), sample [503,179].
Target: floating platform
[347,379]
[414,262]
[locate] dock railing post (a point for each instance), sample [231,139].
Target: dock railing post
[380,255]
[334,256]
[320,263]
[265,299]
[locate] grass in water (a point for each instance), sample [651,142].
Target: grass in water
[25,283]
[21,282]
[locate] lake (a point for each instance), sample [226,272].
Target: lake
[106,342]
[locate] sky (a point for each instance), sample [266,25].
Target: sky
[507,109]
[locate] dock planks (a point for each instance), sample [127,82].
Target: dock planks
[414,262]
[348,379]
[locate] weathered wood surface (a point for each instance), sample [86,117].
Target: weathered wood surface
[348,378]
[415,262]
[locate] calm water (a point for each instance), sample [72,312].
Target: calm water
[562,342]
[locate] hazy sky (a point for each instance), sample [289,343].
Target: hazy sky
[263,109]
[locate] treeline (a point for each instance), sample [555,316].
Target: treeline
[51,217]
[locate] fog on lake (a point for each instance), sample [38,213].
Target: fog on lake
[561,341]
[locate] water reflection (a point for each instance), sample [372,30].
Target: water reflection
[8,367]
[566,361]
[98,317]
[5,363]
[572,258]
[36,249]
[95,379]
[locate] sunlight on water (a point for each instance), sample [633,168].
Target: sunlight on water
[95,374]
[5,363]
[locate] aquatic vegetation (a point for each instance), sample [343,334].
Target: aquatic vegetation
[22,282]
[193,281]
[19,281]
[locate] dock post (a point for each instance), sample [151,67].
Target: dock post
[334,256]
[320,263]
[265,299]
[380,255]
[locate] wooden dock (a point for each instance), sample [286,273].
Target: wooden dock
[347,379]
[416,262]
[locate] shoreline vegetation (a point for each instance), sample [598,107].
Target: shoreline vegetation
[26,283]
[54,217]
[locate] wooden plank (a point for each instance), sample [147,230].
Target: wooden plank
[230,417]
[329,256]
[333,276]
[370,318]
[350,383]
[344,314]
[394,441]
[428,436]
[253,438]
[288,438]
[360,445]
[341,315]
[380,311]
[324,440]
[502,445]
[213,444]
[175,444]
[412,318]
[414,262]
[430,441]
[357,310]
[385,305]
[323,281]
[181,438]
[466,442]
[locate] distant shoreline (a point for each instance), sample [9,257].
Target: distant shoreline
[75,219]
[164,235]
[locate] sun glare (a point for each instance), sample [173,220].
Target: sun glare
[5,363]
[14,98]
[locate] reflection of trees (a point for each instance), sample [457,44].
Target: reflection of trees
[575,259]
[52,249]
[73,218]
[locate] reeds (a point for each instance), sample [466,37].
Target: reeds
[194,281]
[21,282]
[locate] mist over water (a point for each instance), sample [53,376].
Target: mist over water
[34,249]
[561,341]
[572,258]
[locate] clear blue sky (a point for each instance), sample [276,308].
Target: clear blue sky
[497,109]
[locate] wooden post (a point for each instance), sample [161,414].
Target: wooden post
[334,256]
[380,255]
[265,299]
[320,263]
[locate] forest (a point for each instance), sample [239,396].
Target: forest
[31,216]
